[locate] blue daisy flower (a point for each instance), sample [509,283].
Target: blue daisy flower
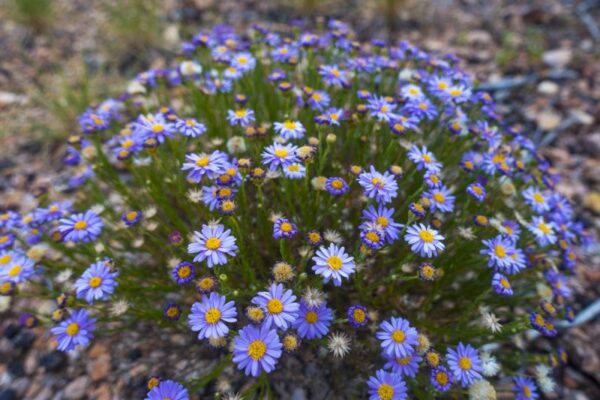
[82,227]
[209,316]
[242,117]
[190,127]
[381,187]
[424,159]
[357,316]
[499,251]
[537,199]
[336,186]
[168,390]
[477,191]
[424,240]
[404,366]
[333,263]
[383,217]
[97,282]
[280,306]
[501,285]
[313,322]
[440,199]
[386,386]
[289,129]
[465,364]
[199,165]
[76,330]
[398,338]
[441,379]
[213,244]
[283,228]
[543,231]
[183,273]
[294,171]
[18,267]
[256,349]
[524,388]
[277,155]
[131,217]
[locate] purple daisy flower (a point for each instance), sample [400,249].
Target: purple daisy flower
[172,311]
[313,322]
[501,285]
[465,364]
[543,231]
[190,127]
[381,187]
[242,117]
[83,227]
[398,338]
[154,126]
[333,263]
[333,75]
[372,236]
[256,349]
[97,282]
[168,390]
[357,316]
[280,306]
[440,199]
[211,165]
[424,159]
[499,251]
[336,186]
[524,388]
[208,317]
[382,109]
[183,273]
[289,129]
[477,191]
[17,269]
[383,217]
[386,386]
[424,240]
[537,199]
[132,217]
[284,229]
[74,331]
[405,366]
[277,155]
[213,244]
[441,379]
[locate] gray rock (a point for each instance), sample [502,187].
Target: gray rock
[77,388]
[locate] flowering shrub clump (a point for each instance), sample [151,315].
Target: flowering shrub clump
[281,192]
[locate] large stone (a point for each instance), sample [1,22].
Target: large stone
[76,389]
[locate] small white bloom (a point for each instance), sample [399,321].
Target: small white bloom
[482,390]
[313,297]
[136,87]
[338,344]
[63,276]
[543,378]
[236,144]
[189,67]
[194,195]
[466,232]
[489,364]
[491,322]
[332,236]
[119,307]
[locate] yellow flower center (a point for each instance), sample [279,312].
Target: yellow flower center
[132,215]
[385,391]
[504,283]
[80,225]
[257,349]
[383,221]
[372,236]
[538,197]
[311,317]
[526,391]
[398,336]
[95,281]
[290,342]
[441,378]
[294,168]
[426,158]
[439,197]
[4,239]
[128,143]
[337,184]
[500,251]
[544,228]
[286,227]
[202,162]
[205,283]
[403,360]
[14,271]
[184,272]
[228,205]
[377,182]
[240,113]
[275,306]
[290,125]
[212,316]
[158,128]
[464,363]
[433,358]
[172,312]
[334,262]
[72,329]
[426,236]
[281,153]
[213,243]
[455,92]
[359,315]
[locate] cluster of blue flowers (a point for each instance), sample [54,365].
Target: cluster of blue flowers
[374,178]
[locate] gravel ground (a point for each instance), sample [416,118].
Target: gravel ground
[538,59]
